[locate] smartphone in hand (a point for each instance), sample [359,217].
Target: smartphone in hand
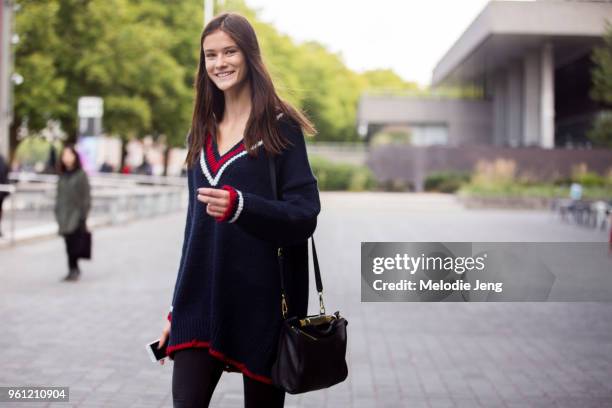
[156,354]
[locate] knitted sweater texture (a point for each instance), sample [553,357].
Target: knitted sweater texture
[227,292]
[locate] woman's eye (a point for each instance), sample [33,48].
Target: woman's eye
[230,51]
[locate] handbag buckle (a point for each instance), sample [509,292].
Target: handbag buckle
[284,306]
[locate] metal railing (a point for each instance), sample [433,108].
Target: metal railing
[586,213]
[115,199]
[8,188]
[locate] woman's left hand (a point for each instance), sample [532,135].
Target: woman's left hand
[217,200]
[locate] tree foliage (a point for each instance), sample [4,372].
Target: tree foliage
[131,53]
[141,56]
[601,134]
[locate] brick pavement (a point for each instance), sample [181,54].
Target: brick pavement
[91,335]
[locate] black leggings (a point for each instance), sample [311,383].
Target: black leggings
[196,374]
[72,242]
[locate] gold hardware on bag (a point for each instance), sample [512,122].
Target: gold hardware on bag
[284,306]
[316,320]
[280,252]
[321,305]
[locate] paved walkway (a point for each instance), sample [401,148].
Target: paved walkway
[90,335]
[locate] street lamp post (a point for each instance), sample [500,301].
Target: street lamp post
[209,10]
[6,38]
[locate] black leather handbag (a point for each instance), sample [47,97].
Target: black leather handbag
[83,241]
[311,350]
[84,251]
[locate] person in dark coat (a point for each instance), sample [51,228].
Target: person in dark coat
[226,309]
[4,171]
[51,165]
[72,205]
[106,168]
[144,168]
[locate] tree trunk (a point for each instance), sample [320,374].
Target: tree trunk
[123,153]
[13,142]
[166,156]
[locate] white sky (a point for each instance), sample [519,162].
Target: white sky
[408,36]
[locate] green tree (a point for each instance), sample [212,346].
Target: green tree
[387,79]
[141,56]
[38,98]
[601,91]
[123,51]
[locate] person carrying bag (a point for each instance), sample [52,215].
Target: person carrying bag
[311,351]
[72,205]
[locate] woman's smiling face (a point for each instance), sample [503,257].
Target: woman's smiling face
[225,62]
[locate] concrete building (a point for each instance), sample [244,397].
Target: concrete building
[532,60]
[430,121]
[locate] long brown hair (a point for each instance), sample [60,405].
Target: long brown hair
[266,104]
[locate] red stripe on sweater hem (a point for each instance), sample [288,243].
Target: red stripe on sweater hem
[219,355]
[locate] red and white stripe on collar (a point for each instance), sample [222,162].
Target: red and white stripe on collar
[212,168]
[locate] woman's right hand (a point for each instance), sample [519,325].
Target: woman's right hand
[164,338]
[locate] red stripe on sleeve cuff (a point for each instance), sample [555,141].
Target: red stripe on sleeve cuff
[231,208]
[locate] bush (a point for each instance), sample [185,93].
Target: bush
[590,180]
[580,174]
[33,150]
[446,181]
[498,179]
[497,174]
[391,137]
[397,185]
[341,176]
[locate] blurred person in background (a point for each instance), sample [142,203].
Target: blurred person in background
[51,165]
[126,169]
[576,191]
[4,171]
[145,168]
[106,167]
[72,205]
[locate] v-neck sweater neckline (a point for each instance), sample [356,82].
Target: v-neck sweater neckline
[216,146]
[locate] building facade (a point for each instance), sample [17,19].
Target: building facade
[532,59]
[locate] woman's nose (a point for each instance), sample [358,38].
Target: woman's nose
[220,61]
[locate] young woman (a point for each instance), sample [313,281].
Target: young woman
[226,309]
[72,204]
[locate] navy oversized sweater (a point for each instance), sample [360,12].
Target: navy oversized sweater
[227,292]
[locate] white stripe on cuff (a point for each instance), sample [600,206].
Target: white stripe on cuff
[239,207]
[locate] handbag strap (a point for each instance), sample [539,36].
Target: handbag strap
[281,263]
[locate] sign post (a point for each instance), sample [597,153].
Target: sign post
[90,112]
